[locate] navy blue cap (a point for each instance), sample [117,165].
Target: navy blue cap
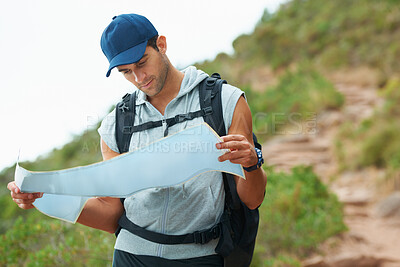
[125,39]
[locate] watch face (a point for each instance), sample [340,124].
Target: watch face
[259,163]
[259,156]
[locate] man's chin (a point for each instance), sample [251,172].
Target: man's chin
[152,93]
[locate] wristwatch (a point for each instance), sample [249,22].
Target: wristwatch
[259,163]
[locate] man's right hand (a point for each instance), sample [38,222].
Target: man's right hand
[23,200]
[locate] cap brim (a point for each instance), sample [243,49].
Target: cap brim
[129,56]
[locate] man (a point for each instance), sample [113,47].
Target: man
[133,46]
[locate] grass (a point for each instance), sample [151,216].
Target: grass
[49,242]
[297,99]
[297,215]
[375,141]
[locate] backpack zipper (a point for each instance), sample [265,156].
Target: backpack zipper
[164,126]
[164,220]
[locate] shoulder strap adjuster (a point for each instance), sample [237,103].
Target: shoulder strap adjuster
[125,96]
[207,111]
[210,82]
[127,129]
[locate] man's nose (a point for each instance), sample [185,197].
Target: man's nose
[139,76]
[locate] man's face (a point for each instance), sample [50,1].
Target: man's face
[149,73]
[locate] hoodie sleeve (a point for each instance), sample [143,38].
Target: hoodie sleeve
[107,131]
[230,96]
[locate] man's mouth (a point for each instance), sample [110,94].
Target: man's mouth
[145,85]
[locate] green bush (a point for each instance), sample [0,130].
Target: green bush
[332,35]
[298,213]
[335,34]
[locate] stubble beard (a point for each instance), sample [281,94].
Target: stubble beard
[160,81]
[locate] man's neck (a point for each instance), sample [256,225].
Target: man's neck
[170,90]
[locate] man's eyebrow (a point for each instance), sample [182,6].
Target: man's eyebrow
[144,57]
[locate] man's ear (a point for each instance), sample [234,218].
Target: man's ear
[162,44]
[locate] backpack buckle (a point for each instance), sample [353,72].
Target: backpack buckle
[215,231]
[207,111]
[206,236]
[127,129]
[199,238]
[123,107]
[182,117]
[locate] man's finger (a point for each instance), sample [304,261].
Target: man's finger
[242,157]
[233,137]
[13,187]
[24,201]
[26,206]
[237,145]
[231,155]
[26,195]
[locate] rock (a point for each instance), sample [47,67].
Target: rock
[390,206]
[360,197]
[355,260]
[316,261]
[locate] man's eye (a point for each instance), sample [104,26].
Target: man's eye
[140,64]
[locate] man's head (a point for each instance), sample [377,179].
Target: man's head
[125,39]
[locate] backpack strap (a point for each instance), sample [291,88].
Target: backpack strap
[125,117]
[169,122]
[211,96]
[124,120]
[210,100]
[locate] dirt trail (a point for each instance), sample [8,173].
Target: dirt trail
[371,240]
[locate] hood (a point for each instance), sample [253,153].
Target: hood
[191,79]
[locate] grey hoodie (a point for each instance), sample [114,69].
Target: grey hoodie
[192,206]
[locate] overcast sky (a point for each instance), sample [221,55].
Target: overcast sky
[52,72]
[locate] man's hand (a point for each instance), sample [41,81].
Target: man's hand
[23,200]
[241,150]
[241,145]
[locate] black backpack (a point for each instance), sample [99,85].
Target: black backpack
[237,228]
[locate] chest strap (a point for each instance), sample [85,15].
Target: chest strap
[169,122]
[198,237]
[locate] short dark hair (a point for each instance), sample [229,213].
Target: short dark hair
[152,42]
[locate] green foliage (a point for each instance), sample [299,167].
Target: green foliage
[334,34]
[296,99]
[298,214]
[49,242]
[375,142]
[283,261]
